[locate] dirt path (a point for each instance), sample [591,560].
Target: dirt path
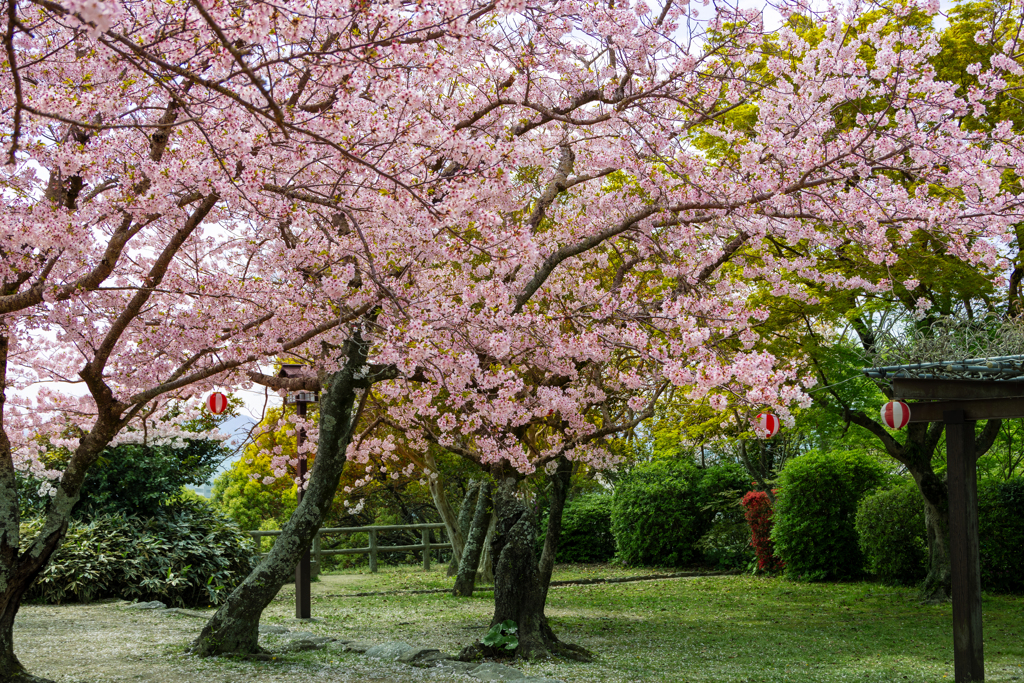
[105,642]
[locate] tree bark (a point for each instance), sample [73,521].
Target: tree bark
[470,562]
[521,582]
[234,628]
[18,570]
[485,572]
[465,519]
[448,516]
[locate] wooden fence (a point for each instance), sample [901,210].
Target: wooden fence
[372,549]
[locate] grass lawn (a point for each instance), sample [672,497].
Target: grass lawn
[722,629]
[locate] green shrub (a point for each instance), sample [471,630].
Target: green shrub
[587,529]
[892,535]
[661,509]
[1001,531]
[186,556]
[814,530]
[727,544]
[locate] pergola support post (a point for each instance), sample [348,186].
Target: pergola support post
[962,479]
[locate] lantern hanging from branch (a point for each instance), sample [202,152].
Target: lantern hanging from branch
[217,403]
[769,423]
[896,414]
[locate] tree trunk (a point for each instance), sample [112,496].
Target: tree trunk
[520,581]
[451,521]
[485,573]
[234,628]
[18,570]
[465,519]
[470,562]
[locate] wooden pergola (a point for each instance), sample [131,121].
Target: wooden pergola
[959,393]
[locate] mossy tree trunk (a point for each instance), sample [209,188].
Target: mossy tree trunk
[18,570]
[234,628]
[521,581]
[470,562]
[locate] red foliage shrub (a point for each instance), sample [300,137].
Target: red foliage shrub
[758,511]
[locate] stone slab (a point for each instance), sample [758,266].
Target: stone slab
[155,604]
[390,651]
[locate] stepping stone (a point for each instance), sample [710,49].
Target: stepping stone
[187,613]
[156,604]
[496,672]
[301,646]
[543,680]
[356,646]
[390,651]
[457,665]
[273,629]
[416,654]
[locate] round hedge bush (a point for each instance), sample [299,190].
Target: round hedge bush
[661,509]
[587,529]
[186,556]
[1001,532]
[892,535]
[815,507]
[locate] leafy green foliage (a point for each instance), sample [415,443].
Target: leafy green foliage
[814,531]
[661,509]
[133,479]
[502,636]
[587,529]
[1001,531]
[188,555]
[891,533]
[727,544]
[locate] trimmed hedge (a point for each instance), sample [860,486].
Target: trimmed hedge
[587,529]
[814,531]
[1001,531]
[188,555]
[661,509]
[892,535]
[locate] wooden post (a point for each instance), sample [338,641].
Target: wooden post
[302,578]
[962,479]
[373,551]
[426,550]
[317,554]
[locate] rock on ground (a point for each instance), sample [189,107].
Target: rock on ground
[389,651]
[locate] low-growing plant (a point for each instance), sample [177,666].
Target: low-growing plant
[502,636]
[188,555]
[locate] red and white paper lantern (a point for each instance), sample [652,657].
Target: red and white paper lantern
[896,414]
[217,403]
[769,423]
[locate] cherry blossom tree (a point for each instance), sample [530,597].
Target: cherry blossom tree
[449,199]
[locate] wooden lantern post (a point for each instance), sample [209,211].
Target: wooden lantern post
[303,578]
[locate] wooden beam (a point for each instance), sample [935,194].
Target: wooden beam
[912,388]
[965,569]
[981,409]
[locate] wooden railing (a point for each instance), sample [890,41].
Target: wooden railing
[372,549]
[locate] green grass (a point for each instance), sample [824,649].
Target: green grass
[711,629]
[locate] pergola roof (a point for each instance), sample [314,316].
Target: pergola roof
[996,368]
